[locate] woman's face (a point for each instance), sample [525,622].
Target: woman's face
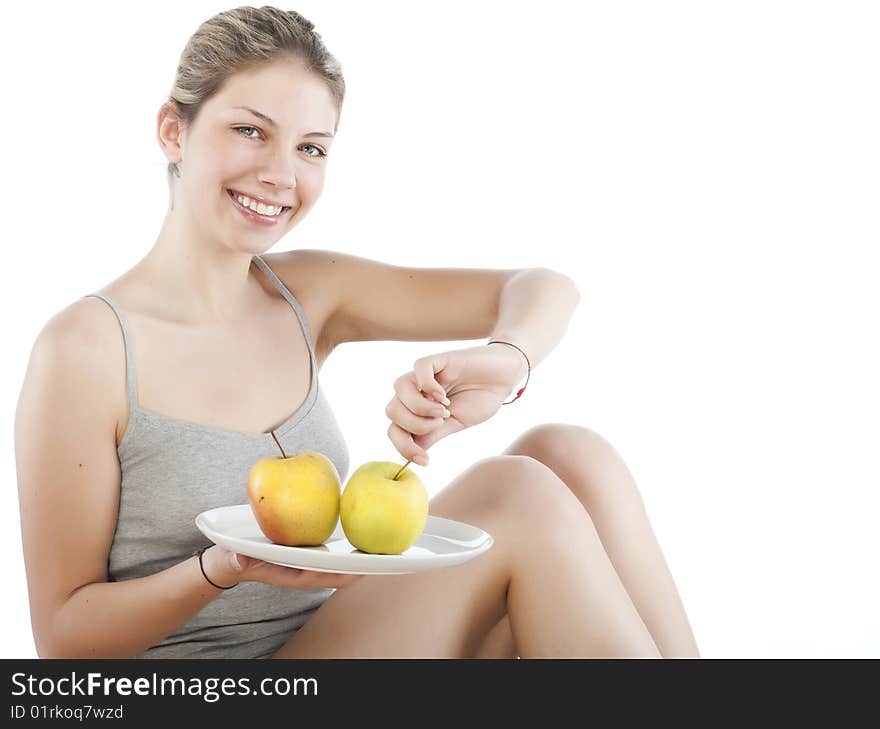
[232,150]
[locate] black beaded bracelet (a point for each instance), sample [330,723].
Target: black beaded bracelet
[200,552]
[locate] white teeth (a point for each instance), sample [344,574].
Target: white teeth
[258,207]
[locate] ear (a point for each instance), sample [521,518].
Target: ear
[169,131]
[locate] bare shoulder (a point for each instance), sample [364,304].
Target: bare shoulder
[315,277]
[80,353]
[84,333]
[306,268]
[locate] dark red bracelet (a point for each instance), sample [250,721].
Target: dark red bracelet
[528,364]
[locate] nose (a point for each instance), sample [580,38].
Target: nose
[280,182]
[280,173]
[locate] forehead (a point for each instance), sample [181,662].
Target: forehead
[284,90]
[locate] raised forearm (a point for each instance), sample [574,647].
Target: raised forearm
[122,619]
[535,308]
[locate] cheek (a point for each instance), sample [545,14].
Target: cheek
[309,187]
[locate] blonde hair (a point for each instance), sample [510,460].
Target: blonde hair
[240,40]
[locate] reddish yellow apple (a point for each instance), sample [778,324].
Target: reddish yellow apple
[295,498]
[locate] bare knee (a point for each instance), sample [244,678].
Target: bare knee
[582,458]
[523,488]
[524,478]
[556,441]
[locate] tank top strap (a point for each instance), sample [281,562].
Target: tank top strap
[129,359]
[291,299]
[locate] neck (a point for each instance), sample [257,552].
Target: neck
[201,281]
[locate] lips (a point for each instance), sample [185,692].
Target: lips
[233,194]
[258,218]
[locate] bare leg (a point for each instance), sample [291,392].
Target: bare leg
[600,479]
[498,642]
[547,570]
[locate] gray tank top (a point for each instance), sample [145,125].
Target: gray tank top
[173,469]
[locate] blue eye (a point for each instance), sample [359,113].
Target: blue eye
[318,151]
[321,152]
[238,129]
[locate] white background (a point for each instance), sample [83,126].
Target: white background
[706,172]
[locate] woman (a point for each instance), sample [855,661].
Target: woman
[158,393]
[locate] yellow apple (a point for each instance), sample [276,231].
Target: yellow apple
[295,498]
[380,515]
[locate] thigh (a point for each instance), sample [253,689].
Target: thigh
[441,613]
[499,643]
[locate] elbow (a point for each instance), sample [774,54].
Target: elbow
[60,647]
[50,642]
[48,639]
[51,652]
[49,646]
[52,649]
[44,642]
[61,650]
[564,281]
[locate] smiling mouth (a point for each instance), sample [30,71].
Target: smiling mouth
[284,209]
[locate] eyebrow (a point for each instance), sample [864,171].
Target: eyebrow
[271,122]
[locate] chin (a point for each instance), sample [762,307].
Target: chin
[257,248]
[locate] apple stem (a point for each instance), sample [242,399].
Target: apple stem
[283,454]
[394,478]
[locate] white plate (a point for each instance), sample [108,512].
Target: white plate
[443,543]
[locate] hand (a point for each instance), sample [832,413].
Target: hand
[471,382]
[224,570]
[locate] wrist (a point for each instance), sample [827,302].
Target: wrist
[516,355]
[218,568]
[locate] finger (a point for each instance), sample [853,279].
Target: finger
[450,425]
[294,577]
[303,579]
[418,402]
[337,580]
[403,442]
[314,580]
[289,578]
[400,414]
[425,370]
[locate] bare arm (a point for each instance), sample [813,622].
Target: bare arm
[69,480]
[121,619]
